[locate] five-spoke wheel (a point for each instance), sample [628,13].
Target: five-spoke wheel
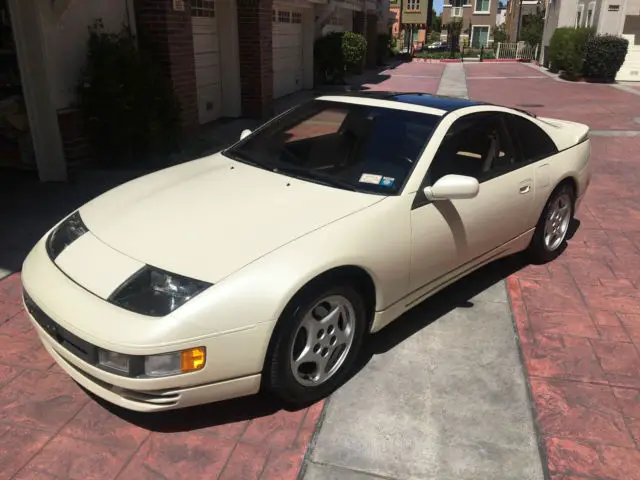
[316,342]
[553,227]
[323,340]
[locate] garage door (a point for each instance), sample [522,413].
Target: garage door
[287,50]
[207,59]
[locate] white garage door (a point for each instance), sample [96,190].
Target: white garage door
[207,59]
[287,50]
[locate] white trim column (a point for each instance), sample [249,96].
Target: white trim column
[27,22]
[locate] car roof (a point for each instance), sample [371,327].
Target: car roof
[438,104]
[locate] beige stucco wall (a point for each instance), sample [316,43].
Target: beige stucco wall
[66,37]
[633,7]
[611,22]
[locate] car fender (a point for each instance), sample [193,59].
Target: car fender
[376,240]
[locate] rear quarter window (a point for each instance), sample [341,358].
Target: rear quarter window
[534,142]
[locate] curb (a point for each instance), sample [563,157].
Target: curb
[475,60]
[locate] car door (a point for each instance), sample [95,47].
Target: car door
[447,235]
[536,148]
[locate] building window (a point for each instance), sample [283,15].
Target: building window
[483,5]
[296,17]
[203,8]
[479,36]
[413,5]
[284,16]
[579,16]
[592,7]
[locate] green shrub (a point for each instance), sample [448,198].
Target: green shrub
[354,50]
[566,50]
[437,55]
[127,102]
[603,57]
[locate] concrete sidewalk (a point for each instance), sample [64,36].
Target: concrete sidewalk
[448,403]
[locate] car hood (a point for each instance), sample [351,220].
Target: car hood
[210,217]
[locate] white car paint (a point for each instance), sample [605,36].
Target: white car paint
[260,237]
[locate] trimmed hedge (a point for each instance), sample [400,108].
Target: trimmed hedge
[603,57]
[437,55]
[566,50]
[354,50]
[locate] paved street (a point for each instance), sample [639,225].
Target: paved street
[518,372]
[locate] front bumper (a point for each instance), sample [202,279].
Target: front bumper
[234,359]
[155,400]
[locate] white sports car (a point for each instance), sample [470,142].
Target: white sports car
[267,264]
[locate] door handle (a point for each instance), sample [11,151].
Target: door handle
[525,189]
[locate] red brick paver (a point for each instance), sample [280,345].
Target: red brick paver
[602,107]
[578,317]
[52,429]
[409,77]
[498,69]
[579,323]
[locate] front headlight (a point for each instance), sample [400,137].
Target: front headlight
[156,293]
[65,234]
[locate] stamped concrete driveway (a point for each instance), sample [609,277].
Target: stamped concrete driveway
[579,317]
[443,393]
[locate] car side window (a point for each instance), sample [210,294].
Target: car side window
[534,143]
[477,145]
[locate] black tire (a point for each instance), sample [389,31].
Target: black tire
[278,375]
[538,251]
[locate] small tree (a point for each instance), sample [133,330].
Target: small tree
[500,34]
[532,28]
[436,21]
[128,104]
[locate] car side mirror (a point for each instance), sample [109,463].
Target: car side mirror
[245,133]
[453,187]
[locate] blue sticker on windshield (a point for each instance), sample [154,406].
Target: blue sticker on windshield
[387,181]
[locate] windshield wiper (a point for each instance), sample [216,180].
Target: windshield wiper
[306,174]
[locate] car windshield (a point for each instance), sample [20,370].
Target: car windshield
[343,145]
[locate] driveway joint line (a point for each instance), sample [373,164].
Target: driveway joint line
[540,441]
[625,88]
[355,470]
[314,439]
[614,133]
